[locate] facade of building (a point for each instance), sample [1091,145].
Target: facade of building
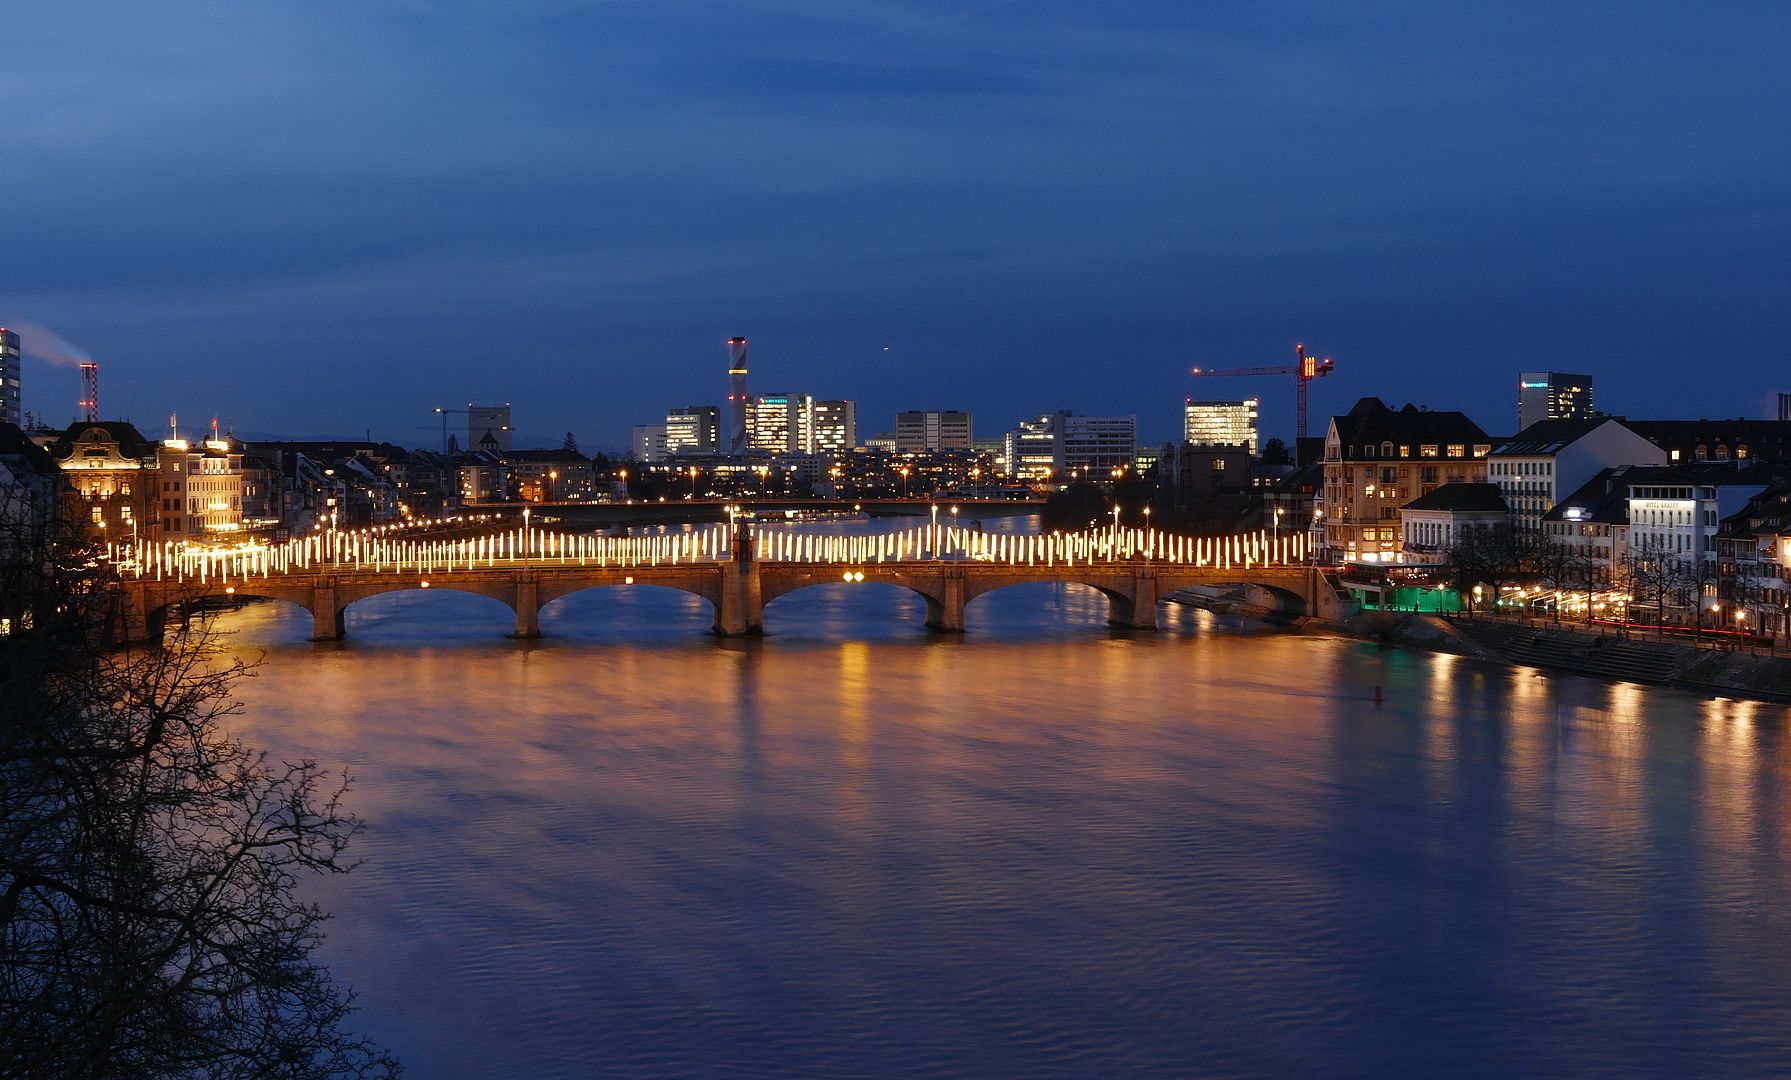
[835,427]
[561,475]
[694,429]
[1221,423]
[1377,460]
[1552,395]
[485,422]
[1061,446]
[1547,460]
[782,424]
[920,432]
[11,402]
[1594,520]
[649,443]
[1432,524]
[1675,510]
[116,474]
[202,490]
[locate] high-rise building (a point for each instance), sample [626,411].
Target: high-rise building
[783,424]
[11,407]
[488,422]
[739,405]
[1552,395]
[695,429]
[921,432]
[649,443]
[1220,423]
[835,426]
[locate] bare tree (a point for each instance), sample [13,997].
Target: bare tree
[1491,556]
[150,922]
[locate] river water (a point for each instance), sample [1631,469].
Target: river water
[853,848]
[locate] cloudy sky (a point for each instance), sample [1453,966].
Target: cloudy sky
[330,217]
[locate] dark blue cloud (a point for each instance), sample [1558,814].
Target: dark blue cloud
[335,216]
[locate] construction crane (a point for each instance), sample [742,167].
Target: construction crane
[1308,368]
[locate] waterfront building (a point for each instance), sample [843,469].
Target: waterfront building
[557,475]
[694,429]
[1549,459]
[202,489]
[1593,519]
[1552,395]
[919,432]
[835,427]
[650,443]
[1753,550]
[11,401]
[1675,510]
[1034,450]
[1221,423]
[1377,459]
[116,474]
[488,423]
[1432,523]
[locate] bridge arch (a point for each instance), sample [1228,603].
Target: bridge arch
[895,584]
[370,601]
[1120,596]
[562,600]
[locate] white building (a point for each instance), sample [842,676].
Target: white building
[1062,446]
[1220,423]
[1594,518]
[1546,461]
[1675,510]
[649,443]
[202,490]
[1433,523]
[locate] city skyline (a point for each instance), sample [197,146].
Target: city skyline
[887,199]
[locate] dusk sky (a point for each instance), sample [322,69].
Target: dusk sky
[325,218]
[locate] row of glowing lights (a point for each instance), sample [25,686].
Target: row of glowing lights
[378,550]
[1572,602]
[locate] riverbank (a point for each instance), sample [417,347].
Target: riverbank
[1562,648]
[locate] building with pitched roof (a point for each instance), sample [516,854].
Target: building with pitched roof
[1378,459]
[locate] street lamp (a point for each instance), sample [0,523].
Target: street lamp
[904,471]
[693,479]
[553,488]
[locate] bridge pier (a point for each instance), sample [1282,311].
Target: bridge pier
[740,606]
[327,620]
[528,608]
[1141,612]
[946,614]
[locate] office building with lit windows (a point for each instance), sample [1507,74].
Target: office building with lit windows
[835,426]
[695,429]
[1552,395]
[1220,423]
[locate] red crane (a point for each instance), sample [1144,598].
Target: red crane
[1309,368]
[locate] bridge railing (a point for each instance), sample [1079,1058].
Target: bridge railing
[392,551]
[949,543]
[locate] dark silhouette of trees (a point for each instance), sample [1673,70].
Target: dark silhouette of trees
[1275,452]
[150,922]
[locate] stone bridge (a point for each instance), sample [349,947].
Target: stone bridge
[738,591]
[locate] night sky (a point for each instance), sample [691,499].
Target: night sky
[329,217]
